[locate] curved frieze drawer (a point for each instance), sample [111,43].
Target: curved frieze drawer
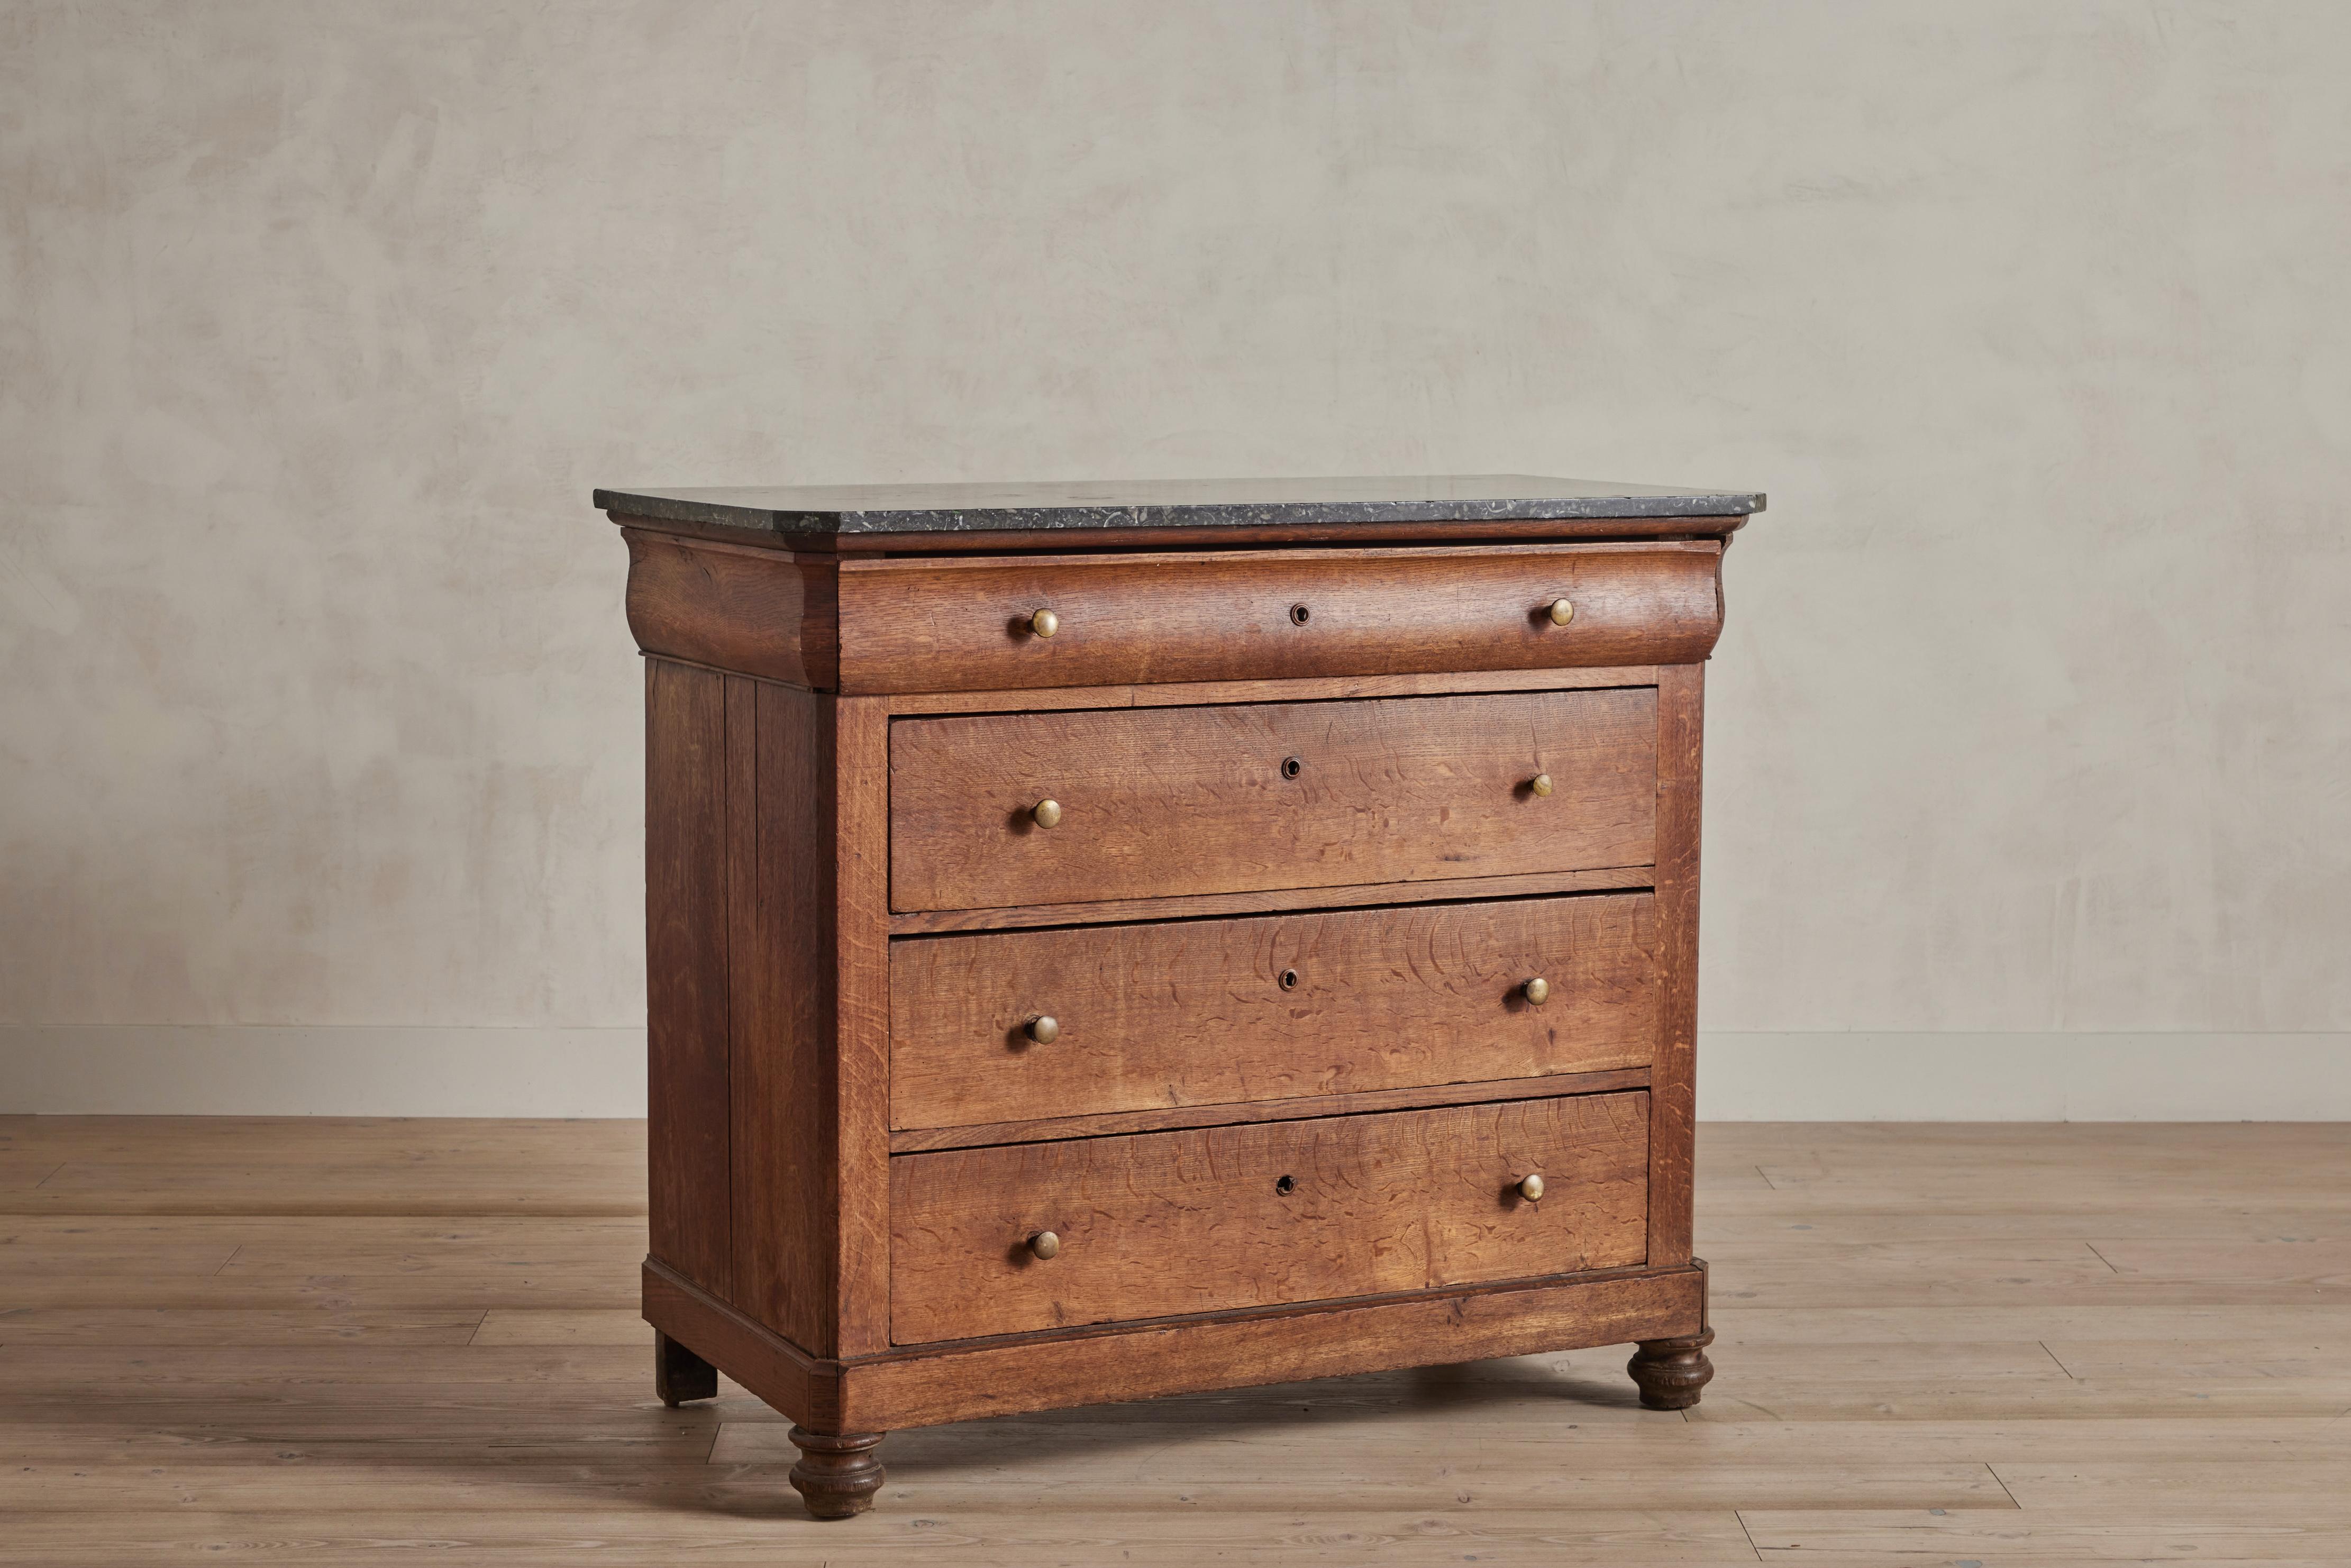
[999,623]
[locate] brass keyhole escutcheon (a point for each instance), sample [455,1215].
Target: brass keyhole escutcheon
[1299,614]
[1286,1186]
[1290,980]
[1292,767]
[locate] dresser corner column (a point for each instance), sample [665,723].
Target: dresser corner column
[1673,1093]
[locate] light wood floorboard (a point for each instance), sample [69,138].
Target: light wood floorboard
[332,1341]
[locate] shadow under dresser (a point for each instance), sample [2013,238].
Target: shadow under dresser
[1115,940]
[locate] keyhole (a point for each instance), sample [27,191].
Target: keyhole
[1290,980]
[1298,615]
[1292,767]
[1286,1186]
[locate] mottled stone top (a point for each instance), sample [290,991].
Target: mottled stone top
[1169,503]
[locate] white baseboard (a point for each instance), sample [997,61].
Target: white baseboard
[332,1070]
[1743,1077]
[1821,1077]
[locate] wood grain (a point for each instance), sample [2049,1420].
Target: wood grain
[1290,1211]
[1232,1114]
[1205,1011]
[732,607]
[961,624]
[686,895]
[1404,789]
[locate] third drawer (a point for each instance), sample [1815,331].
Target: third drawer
[1204,1012]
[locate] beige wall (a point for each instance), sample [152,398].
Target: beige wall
[2034,720]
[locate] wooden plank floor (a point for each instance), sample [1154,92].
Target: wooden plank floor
[1982,1346]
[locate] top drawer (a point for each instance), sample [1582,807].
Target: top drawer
[970,624]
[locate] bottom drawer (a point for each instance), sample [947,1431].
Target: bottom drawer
[1164,1223]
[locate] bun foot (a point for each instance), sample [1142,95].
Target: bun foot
[837,1475]
[1672,1372]
[679,1374]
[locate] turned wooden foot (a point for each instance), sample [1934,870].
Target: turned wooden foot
[679,1374]
[1672,1372]
[838,1474]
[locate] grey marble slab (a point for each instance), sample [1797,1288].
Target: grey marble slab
[1169,503]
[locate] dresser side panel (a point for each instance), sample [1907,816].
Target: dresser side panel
[786,1143]
[686,894]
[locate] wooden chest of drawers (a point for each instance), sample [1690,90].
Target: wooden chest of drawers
[1111,941]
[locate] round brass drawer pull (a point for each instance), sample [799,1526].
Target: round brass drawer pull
[1044,623]
[1044,1029]
[1538,991]
[1048,814]
[1044,1244]
[1561,612]
[1530,1188]
[1540,783]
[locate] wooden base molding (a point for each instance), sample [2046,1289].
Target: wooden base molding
[926,1386]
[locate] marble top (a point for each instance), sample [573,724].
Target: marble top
[1169,503]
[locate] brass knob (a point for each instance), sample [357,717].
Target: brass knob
[1044,1029]
[1538,991]
[1530,1188]
[1048,814]
[1561,612]
[1044,1244]
[1540,783]
[1044,623]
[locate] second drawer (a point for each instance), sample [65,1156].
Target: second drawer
[1206,1012]
[1167,1223]
[1158,802]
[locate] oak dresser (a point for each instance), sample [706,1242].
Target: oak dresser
[1112,940]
